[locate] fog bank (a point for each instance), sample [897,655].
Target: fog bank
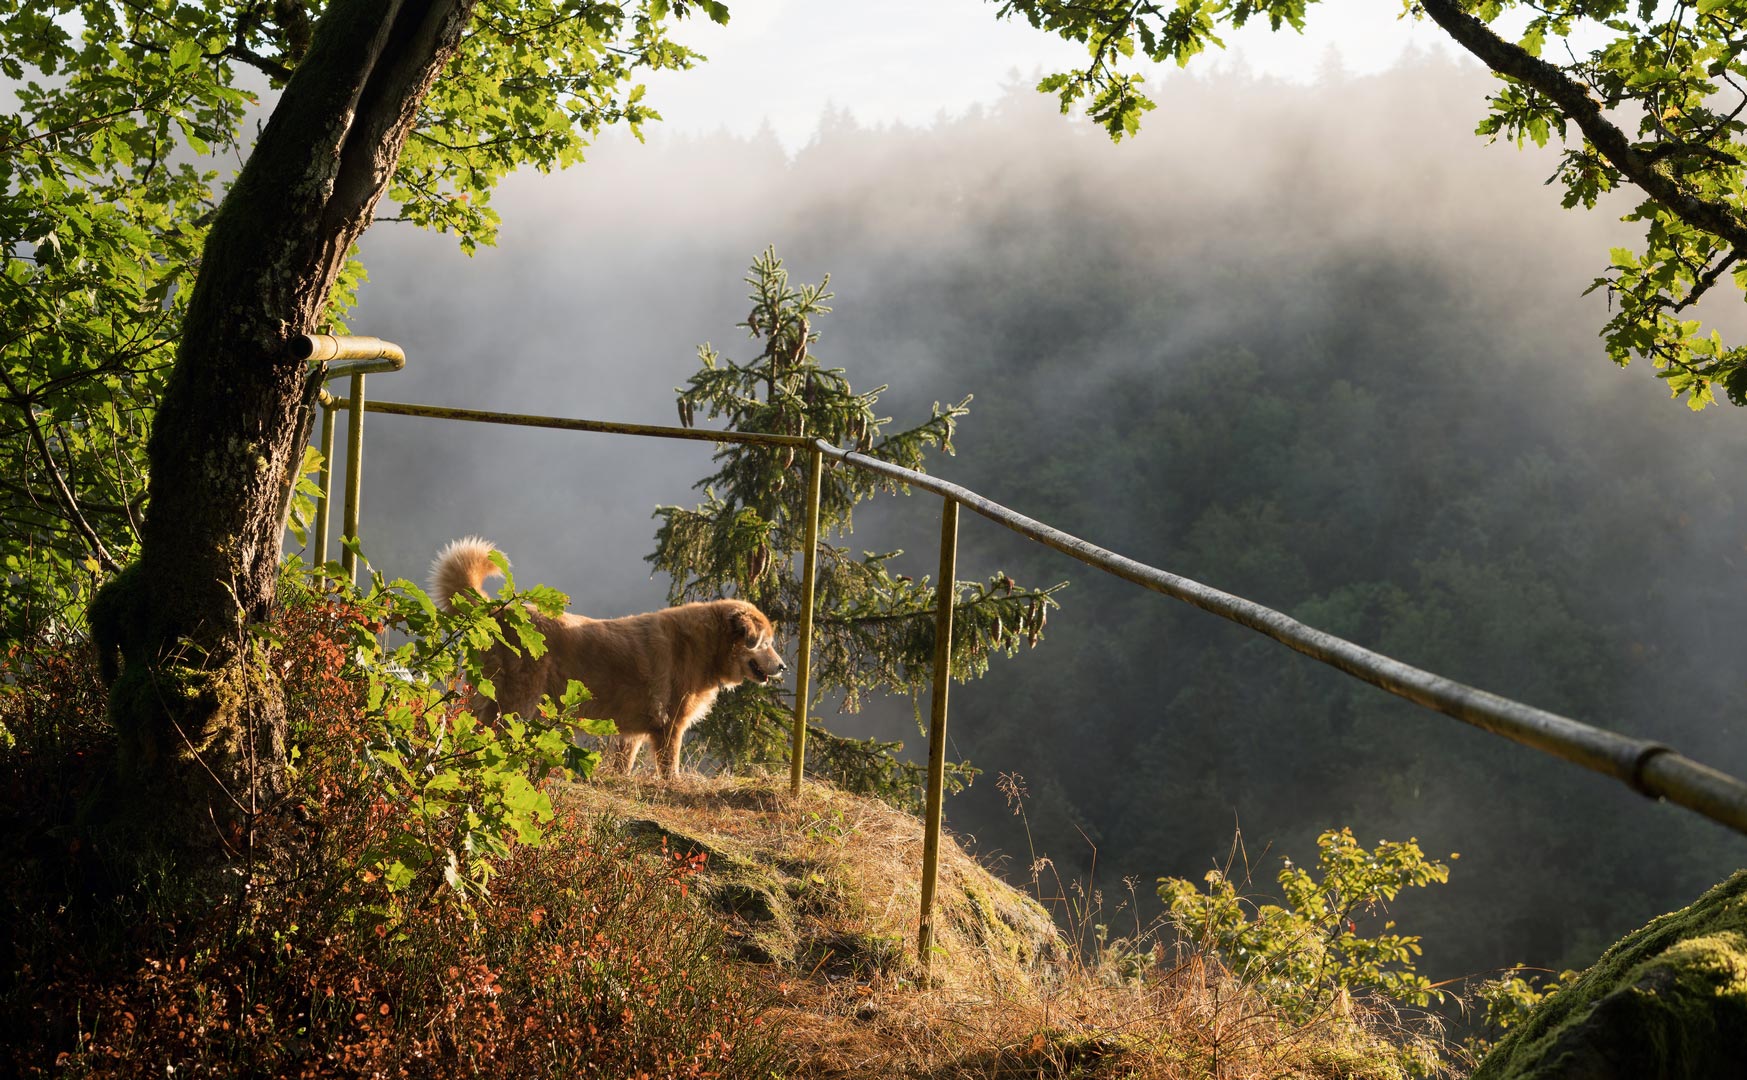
[1357,229]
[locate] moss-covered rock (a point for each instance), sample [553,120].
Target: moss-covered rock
[1008,921]
[761,922]
[852,954]
[1668,1002]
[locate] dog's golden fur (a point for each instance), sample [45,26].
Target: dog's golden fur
[653,675]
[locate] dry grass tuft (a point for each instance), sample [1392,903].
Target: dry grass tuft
[822,892]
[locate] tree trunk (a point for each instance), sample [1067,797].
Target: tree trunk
[201,722]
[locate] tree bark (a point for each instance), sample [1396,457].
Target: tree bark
[201,723]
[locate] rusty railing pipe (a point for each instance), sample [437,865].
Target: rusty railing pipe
[365,355]
[1650,768]
[337,355]
[324,480]
[804,647]
[354,476]
[945,592]
[561,423]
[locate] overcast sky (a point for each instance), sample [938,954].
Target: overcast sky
[782,62]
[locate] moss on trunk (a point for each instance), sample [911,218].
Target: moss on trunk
[200,732]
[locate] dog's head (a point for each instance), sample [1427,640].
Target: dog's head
[752,653]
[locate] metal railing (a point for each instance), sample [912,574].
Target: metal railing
[1650,768]
[358,357]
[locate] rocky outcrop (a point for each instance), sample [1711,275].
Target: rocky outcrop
[1668,1002]
[829,883]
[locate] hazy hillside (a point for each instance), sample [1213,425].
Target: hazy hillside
[1251,346]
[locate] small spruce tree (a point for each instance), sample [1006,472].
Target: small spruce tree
[873,628]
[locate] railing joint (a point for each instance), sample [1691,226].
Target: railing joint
[1635,777]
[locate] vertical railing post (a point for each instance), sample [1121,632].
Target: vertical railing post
[804,648]
[354,477]
[945,591]
[326,483]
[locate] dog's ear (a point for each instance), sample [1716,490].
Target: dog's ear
[741,622]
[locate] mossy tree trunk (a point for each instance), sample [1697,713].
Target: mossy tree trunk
[201,722]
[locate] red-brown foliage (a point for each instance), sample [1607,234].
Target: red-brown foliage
[588,959]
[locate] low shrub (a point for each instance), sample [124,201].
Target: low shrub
[416,910]
[1330,957]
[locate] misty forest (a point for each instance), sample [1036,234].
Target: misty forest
[1362,390]
[1320,346]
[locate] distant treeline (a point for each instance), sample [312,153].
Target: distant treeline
[1400,436]
[1248,347]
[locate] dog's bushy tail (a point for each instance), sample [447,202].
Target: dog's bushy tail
[462,564]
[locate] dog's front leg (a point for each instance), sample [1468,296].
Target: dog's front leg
[657,722]
[667,743]
[483,709]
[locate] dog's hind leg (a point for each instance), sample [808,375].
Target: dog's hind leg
[623,756]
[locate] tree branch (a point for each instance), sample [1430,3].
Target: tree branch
[65,494]
[486,145]
[1712,215]
[266,65]
[90,505]
[12,145]
[389,99]
[1703,282]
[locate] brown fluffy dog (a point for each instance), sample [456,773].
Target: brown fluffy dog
[653,675]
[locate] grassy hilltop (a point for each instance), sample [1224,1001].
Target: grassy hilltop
[707,927]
